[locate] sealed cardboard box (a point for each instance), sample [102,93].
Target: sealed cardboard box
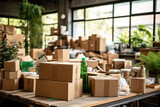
[92,63]
[65,72]
[32,69]
[81,39]
[128,64]
[118,63]
[1,27]
[105,87]
[12,75]
[138,85]
[59,90]
[9,29]
[30,83]
[92,45]
[12,65]
[111,56]
[27,58]
[62,55]
[101,44]
[2,73]
[35,52]
[84,45]
[10,84]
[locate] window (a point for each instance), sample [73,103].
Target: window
[158,5]
[142,6]
[50,18]
[4,21]
[157,27]
[79,14]
[78,29]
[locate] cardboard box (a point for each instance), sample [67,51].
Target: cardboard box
[10,84]
[65,72]
[59,90]
[1,34]
[27,58]
[75,60]
[9,29]
[101,44]
[128,64]
[84,45]
[12,65]
[138,85]
[92,45]
[118,63]
[105,87]
[1,27]
[62,55]
[32,69]
[30,83]
[60,42]
[20,52]
[12,75]
[112,56]
[35,52]
[2,73]
[80,40]
[102,65]
[92,63]
[49,57]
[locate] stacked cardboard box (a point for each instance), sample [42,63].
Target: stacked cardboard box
[9,29]
[11,76]
[30,83]
[62,55]
[35,53]
[59,80]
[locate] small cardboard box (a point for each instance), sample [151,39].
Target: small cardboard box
[105,87]
[12,65]
[35,52]
[12,75]
[62,55]
[27,58]
[30,83]
[56,71]
[118,63]
[111,56]
[101,44]
[1,27]
[59,90]
[9,29]
[2,74]
[84,45]
[92,63]
[32,69]
[92,45]
[138,85]
[10,84]
[128,64]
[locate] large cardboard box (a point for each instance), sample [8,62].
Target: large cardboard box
[92,45]
[30,83]
[9,29]
[111,56]
[84,45]
[12,65]
[62,55]
[105,87]
[101,44]
[10,84]
[35,52]
[1,27]
[12,75]
[92,63]
[138,85]
[118,63]
[59,90]
[65,72]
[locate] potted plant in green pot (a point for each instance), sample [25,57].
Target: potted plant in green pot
[152,64]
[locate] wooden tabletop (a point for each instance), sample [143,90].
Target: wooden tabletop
[85,101]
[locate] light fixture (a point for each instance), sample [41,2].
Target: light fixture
[63,16]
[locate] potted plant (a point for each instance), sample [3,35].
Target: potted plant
[157,43]
[152,64]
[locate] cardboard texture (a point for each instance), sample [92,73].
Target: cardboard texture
[27,58]
[16,38]
[49,57]
[59,90]
[30,83]
[34,53]
[92,45]
[92,63]
[60,42]
[102,65]
[118,63]
[2,73]
[100,44]
[32,69]
[128,64]
[9,29]
[1,27]
[20,52]
[65,72]
[138,85]
[105,87]
[12,75]
[10,84]
[81,39]
[12,65]
[62,55]
[111,56]
[84,45]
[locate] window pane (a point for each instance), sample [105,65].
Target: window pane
[50,18]
[100,27]
[16,22]
[158,5]
[122,9]
[18,31]
[121,30]
[78,29]
[99,12]
[4,21]
[147,21]
[78,14]
[157,27]
[142,6]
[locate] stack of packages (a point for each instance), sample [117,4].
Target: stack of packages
[59,80]
[11,75]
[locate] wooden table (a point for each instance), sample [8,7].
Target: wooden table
[29,98]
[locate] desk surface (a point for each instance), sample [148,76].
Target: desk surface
[86,100]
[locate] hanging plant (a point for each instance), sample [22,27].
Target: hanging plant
[33,32]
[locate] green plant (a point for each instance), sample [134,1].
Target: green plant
[152,63]
[124,37]
[7,52]
[34,30]
[159,34]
